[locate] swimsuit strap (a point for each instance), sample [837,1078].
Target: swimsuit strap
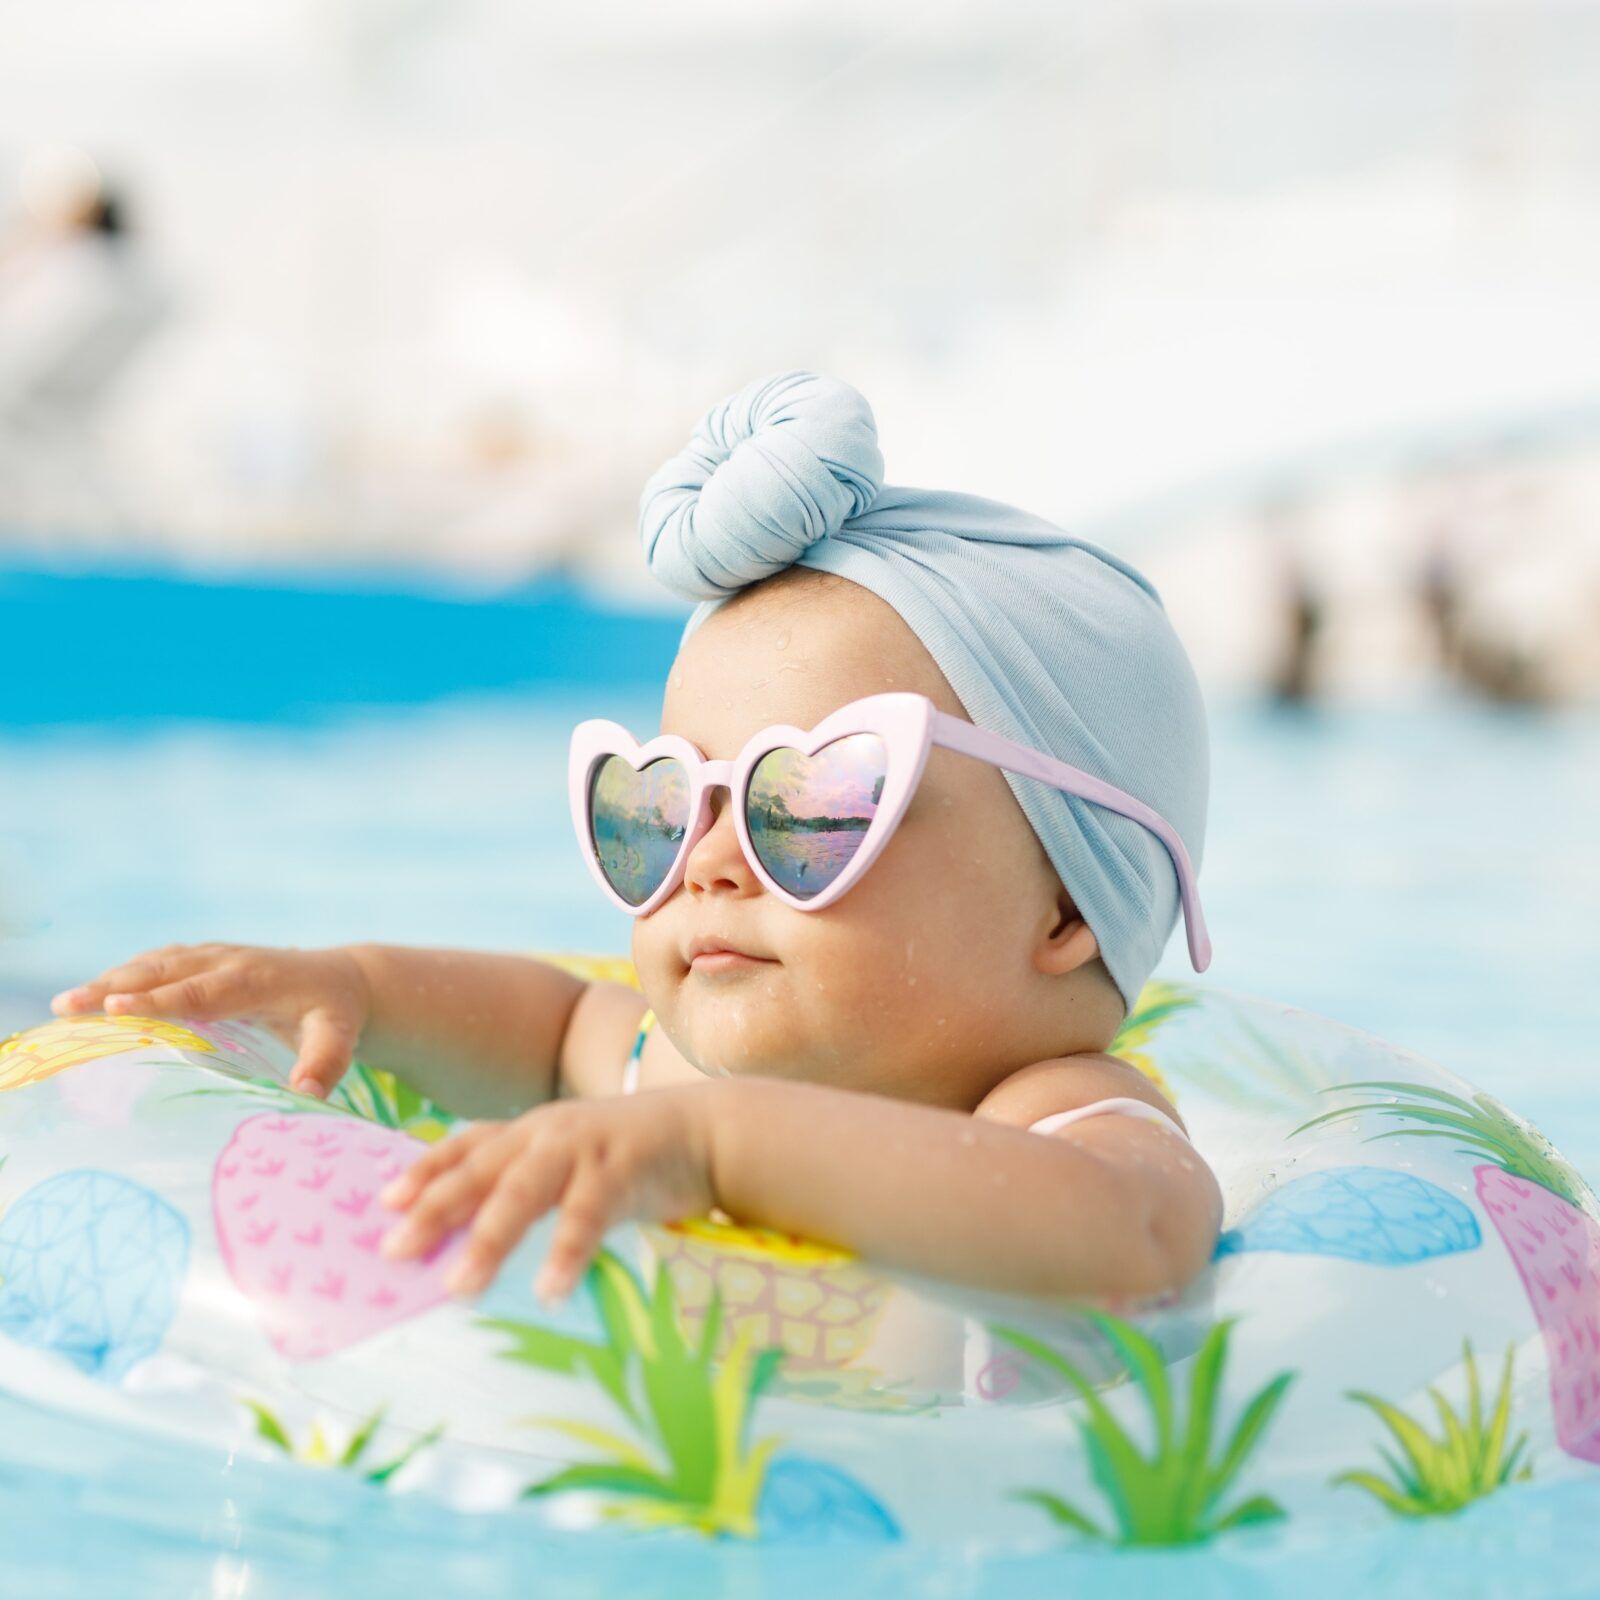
[1118,1105]
[630,1068]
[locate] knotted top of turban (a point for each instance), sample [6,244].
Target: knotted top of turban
[1044,638]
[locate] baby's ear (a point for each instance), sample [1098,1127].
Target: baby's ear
[1068,944]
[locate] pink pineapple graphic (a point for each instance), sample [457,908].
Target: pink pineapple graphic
[1545,1216]
[295,1198]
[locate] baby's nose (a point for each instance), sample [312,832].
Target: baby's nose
[716,861]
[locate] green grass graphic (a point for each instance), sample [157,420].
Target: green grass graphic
[686,1459]
[1157,1001]
[1173,1494]
[1433,1477]
[381,1097]
[318,1450]
[1483,1129]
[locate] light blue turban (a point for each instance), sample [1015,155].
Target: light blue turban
[1045,639]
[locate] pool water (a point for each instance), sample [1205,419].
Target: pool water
[1428,872]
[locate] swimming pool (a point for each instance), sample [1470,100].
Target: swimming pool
[1384,867]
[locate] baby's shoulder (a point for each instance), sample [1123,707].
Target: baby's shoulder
[1064,1083]
[599,1038]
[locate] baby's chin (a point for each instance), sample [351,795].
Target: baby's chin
[725,1041]
[739,1030]
[730,1053]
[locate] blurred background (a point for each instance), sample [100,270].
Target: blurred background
[337,339]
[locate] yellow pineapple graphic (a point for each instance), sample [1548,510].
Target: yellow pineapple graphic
[819,1305]
[44,1051]
[595,969]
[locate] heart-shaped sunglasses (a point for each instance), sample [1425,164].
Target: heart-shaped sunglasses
[811,809]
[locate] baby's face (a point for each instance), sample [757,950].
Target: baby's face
[921,980]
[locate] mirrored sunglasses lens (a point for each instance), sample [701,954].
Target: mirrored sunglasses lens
[637,821]
[809,814]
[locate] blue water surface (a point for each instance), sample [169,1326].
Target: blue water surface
[326,763]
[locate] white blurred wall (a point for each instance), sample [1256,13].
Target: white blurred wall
[447,279]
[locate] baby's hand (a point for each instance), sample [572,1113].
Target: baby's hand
[316,1000]
[600,1162]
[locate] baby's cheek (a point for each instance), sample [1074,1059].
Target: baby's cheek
[654,954]
[863,991]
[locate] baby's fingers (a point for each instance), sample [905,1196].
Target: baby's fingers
[449,1197]
[211,993]
[527,1189]
[587,1210]
[132,977]
[432,1163]
[327,1042]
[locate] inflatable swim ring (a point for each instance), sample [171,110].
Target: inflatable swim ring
[1403,1314]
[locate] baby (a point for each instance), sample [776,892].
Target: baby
[889,927]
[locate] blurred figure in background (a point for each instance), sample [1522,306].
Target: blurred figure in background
[76,302]
[1480,571]
[1296,671]
[1508,575]
[1294,677]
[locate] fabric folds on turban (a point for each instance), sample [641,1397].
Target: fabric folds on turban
[1045,638]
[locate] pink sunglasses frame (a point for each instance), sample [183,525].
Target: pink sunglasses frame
[909,725]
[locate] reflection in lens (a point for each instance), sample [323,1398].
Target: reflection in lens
[637,820]
[808,814]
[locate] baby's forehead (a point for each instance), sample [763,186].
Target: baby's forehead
[792,653]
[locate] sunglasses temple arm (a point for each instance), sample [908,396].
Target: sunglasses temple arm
[969,740]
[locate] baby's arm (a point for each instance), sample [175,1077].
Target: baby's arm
[1112,1205]
[481,1035]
